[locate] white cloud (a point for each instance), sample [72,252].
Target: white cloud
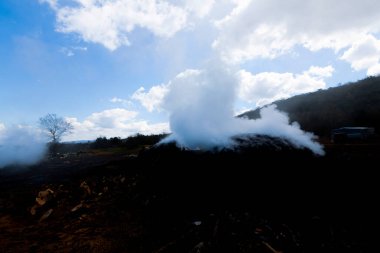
[124,102]
[259,89]
[266,87]
[2,127]
[269,28]
[199,7]
[319,72]
[114,118]
[364,55]
[51,3]
[152,99]
[374,70]
[70,51]
[248,29]
[66,51]
[111,123]
[116,100]
[109,22]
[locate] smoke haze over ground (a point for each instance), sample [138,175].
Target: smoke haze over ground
[201,102]
[22,146]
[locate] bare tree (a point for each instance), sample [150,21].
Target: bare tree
[55,126]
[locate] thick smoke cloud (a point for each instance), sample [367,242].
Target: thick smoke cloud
[201,105]
[20,146]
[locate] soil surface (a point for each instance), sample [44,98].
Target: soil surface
[263,199]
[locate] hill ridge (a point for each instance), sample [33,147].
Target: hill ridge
[352,104]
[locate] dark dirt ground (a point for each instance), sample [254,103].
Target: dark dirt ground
[262,200]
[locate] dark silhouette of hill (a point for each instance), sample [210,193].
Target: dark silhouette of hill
[352,104]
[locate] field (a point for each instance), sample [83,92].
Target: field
[268,199]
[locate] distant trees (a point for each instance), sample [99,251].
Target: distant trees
[131,142]
[55,127]
[140,139]
[103,142]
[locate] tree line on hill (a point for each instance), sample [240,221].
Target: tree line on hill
[352,104]
[131,142]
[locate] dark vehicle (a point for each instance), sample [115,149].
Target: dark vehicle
[347,134]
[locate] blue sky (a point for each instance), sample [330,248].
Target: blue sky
[86,60]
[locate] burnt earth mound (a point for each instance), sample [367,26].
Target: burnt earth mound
[263,195]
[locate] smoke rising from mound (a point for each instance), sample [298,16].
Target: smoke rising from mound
[20,146]
[201,102]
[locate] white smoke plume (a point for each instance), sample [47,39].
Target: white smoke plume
[201,102]
[20,146]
